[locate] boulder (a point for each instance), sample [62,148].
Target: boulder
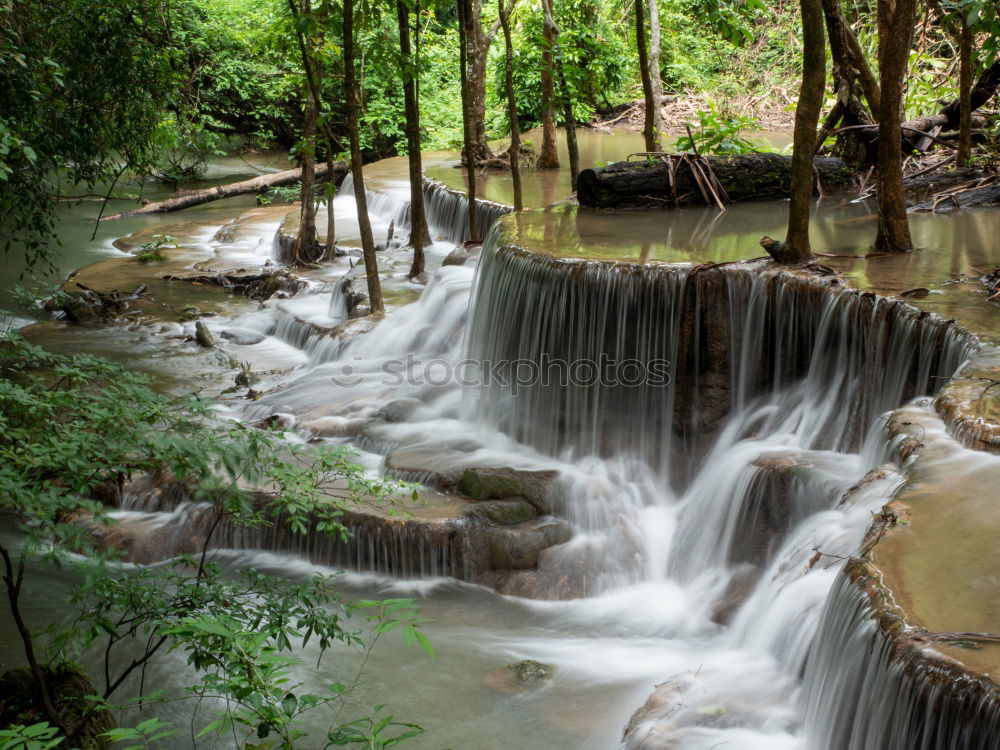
[500,482]
[396,411]
[203,336]
[519,547]
[741,585]
[508,512]
[462,255]
[243,336]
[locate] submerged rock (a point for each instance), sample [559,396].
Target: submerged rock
[243,336]
[519,676]
[397,411]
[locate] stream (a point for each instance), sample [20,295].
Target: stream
[709,514]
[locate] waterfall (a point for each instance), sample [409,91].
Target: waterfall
[814,359]
[863,691]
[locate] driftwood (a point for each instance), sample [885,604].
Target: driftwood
[254,185]
[90,305]
[261,284]
[669,182]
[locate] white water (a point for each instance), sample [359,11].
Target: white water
[656,519]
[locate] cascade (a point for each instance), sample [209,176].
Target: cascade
[860,693]
[716,439]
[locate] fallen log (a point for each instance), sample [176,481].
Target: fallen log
[666,183]
[947,119]
[254,185]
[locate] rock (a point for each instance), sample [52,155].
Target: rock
[741,585]
[518,677]
[651,726]
[396,411]
[203,336]
[503,512]
[360,311]
[462,255]
[78,310]
[420,278]
[518,548]
[334,427]
[489,483]
[69,686]
[189,313]
[275,421]
[243,336]
[430,465]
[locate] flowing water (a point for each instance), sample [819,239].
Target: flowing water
[711,508]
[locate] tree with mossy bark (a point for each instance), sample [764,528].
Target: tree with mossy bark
[896,22]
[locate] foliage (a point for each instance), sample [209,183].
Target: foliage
[594,55]
[68,116]
[719,134]
[39,736]
[73,428]
[152,252]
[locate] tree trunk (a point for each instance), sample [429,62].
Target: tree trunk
[514,152]
[477,47]
[548,156]
[854,146]
[331,222]
[305,249]
[566,99]
[745,177]
[648,132]
[470,160]
[655,84]
[806,118]
[260,184]
[419,234]
[965,95]
[364,225]
[896,21]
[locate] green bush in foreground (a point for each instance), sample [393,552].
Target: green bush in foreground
[74,429]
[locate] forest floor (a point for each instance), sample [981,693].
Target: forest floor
[678,110]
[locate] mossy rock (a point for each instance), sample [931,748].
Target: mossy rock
[503,512]
[501,482]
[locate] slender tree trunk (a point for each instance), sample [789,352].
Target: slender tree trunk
[565,98]
[13,580]
[548,157]
[852,145]
[806,118]
[965,95]
[419,234]
[331,193]
[305,242]
[364,224]
[648,128]
[655,84]
[470,160]
[896,20]
[514,152]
